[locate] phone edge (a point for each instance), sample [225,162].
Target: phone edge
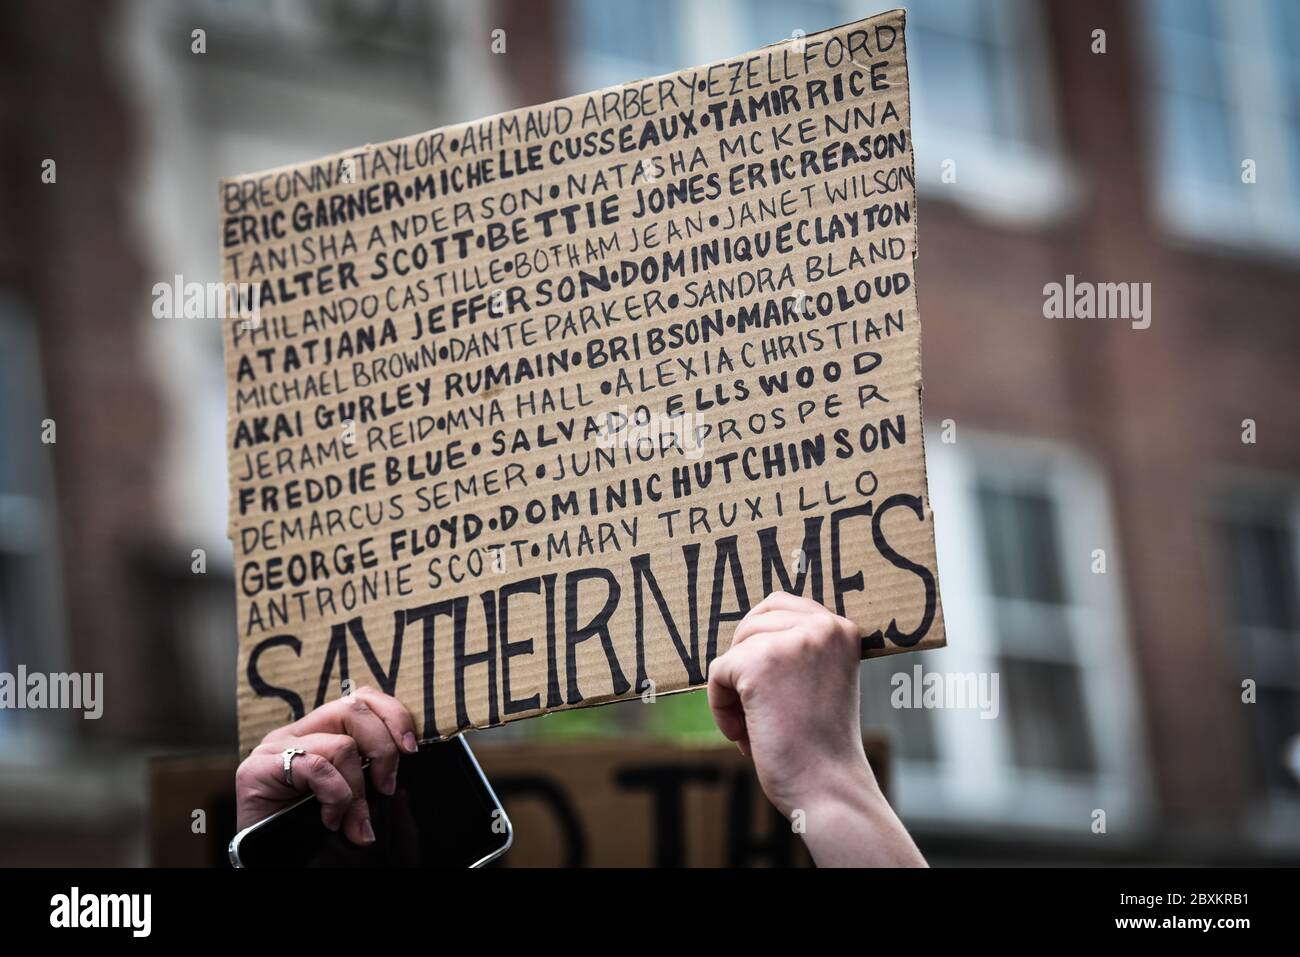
[232,849]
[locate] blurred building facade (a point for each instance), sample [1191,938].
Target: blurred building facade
[1117,509]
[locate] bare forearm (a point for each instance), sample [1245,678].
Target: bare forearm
[787,692]
[850,824]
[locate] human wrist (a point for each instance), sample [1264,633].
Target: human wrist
[838,784]
[847,822]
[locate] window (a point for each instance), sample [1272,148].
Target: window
[981,95]
[1030,613]
[1225,78]
[1264,583]
[30,622]
[394,27]
[622,41]
[1029,576]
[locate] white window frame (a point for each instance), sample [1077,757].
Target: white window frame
[311,24]
[975,778]
[1232,217]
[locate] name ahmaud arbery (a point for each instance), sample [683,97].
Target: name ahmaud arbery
[59,690]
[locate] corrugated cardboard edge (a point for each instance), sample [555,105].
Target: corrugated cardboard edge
[940,622]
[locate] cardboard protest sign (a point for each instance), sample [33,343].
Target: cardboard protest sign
[527,412]
[600,803]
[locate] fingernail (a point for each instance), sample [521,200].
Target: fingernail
[367,832]
[741,748]
[409,743]
[390,786]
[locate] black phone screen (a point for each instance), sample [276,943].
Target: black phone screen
[443,814]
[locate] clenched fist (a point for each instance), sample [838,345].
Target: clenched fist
[787,692]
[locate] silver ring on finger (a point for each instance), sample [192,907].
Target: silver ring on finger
[289,754]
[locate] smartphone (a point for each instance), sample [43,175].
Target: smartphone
[444,813]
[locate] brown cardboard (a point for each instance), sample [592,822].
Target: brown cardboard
[615,803]
[431,487]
